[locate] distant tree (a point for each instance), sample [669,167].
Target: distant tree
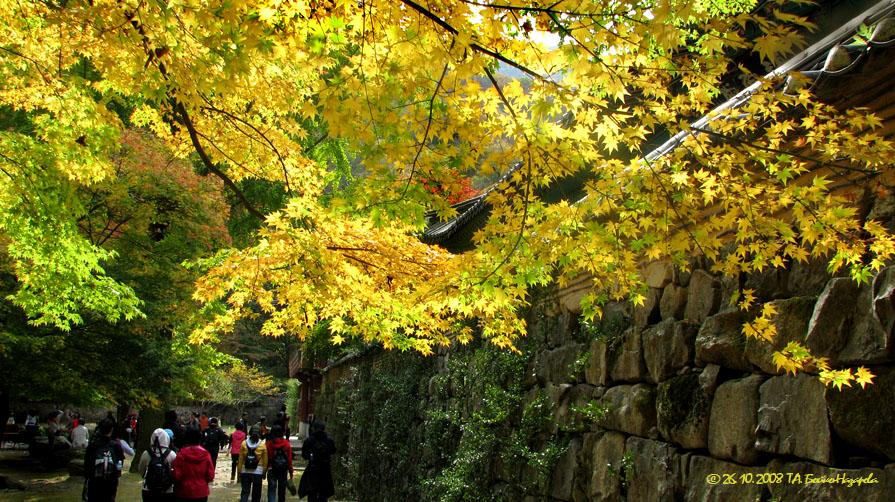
[237,384]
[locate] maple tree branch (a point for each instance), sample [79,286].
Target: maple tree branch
[522,225]
[419,150]
[113,230]
[671,203]
[207,162]
[267,140]
[549,9]
[500,94]
[228,157]
[317,143]
[179,108]
[709,132]
[474,46]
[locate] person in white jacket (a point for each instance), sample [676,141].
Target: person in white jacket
[160,443]
[79,436]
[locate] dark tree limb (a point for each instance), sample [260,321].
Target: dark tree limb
[184,119]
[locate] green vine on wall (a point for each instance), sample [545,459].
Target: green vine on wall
[467,433]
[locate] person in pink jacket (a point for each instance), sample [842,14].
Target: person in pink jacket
[193,469]
[236,440]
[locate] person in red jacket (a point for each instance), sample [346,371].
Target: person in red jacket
[236,440]
[193,469]
[279,463]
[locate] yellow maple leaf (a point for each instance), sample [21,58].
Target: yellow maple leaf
[863,376]
[784,363]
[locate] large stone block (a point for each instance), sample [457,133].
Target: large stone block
[579,396]
[596,371]
[864,418]
[706,477]
[668,347]
[832,318]
[657,475]
[791,321]
[570,297]
[871,339]
[648,313]
[721,341]
[817,483]
[558,328]
[626,358]
[557,397]
[558,365]
[808,278]
[616,318]
[659,274]
[703,296]
[683,407]
[673,302]
[769,284]
[632,409]
[792,418]
[565,473]
[608,451]
[734,418]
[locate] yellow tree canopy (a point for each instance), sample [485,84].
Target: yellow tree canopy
[240,85]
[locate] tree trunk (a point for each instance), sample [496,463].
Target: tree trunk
[4,400]
[148,421]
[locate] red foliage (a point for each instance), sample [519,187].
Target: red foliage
[460,190]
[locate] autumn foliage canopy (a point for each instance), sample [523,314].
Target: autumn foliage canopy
[249,89]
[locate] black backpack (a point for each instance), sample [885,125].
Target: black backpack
[210,439]
[158,475]
[280,461]
[251,461]
[105,461]
[321,452]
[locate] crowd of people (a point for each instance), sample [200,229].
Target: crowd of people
[64,430]
[180,463]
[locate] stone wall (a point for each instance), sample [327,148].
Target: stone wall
[689,397]
[695,411]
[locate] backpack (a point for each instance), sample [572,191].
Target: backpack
[251,461]
[320,452]
[105,463]
[210,440]
[280,461]
[158,475]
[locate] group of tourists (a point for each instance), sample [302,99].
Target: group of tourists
[180,462]
[66,430]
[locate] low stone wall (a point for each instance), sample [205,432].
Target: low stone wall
[706,415]
[691,409]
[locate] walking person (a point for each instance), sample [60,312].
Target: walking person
[32,429]
[103,462]
[236,440]
[157,468]
[262,423]
[213,438]
[193,470]
[252,465]
[317,480]
[279,451]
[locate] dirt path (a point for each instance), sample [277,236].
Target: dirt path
[57,486]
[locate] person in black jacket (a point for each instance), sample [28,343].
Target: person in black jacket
[317,480]
[174,426]
[102,464]
[213,438]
